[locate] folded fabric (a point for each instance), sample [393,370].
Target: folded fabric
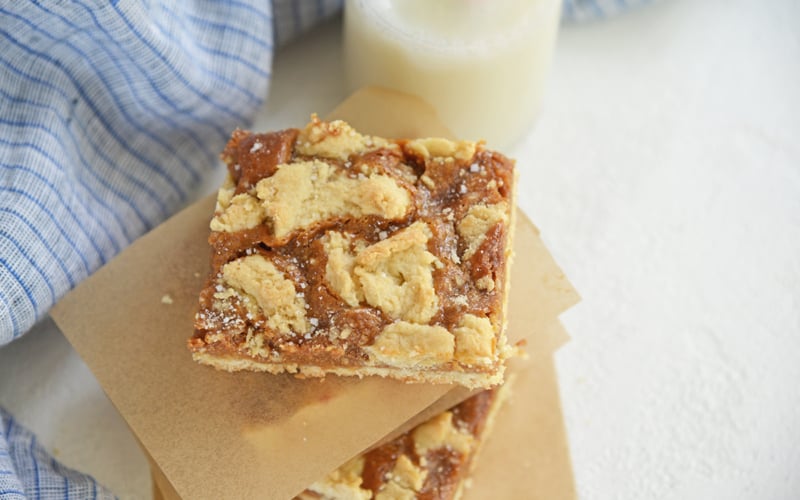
[28,471]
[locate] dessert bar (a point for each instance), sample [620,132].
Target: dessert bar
[335,252]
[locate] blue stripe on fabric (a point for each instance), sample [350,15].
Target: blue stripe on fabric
[205,23]
[6,472]
[88,166]
[178,75]
[12,492]
[34,302]
[104,121]
[198,118]
[54,219]
[32,262]
[265,14]
[113,133]
[35,466]
[45,243]
[91,192]
[54,465]
[139,184]
[122,109]
[215,51]
[14,333]
[276,34]
[233,57]
[122,69]
[254,99]
[196,44]
[569,9]
[596,9]
[60,168]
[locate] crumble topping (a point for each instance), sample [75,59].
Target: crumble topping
[257,281]
[237,212]
[339,269]
[409,344]
[396,274]
[405,480]
[301,194]
[475,340]
[335,139]
[478,221]
[345,482]
[440,432]
[441,148]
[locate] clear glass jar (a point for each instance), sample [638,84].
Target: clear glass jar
[481,63]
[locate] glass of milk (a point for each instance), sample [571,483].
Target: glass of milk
[481,63]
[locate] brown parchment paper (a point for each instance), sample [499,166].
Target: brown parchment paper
[212,434]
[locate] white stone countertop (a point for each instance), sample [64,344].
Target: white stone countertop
[664,175]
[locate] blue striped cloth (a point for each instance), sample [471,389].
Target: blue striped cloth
[112,112]
[589,10]
[28,471]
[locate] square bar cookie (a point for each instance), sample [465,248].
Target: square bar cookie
[431,461]
[337,252]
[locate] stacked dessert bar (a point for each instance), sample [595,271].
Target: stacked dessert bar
[339,253]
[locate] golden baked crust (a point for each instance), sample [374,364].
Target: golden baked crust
[431,461]
[337,252]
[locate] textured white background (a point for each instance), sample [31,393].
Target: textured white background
[665,177]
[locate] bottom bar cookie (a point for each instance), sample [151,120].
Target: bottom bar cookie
[431,461]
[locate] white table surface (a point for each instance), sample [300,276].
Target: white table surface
[665,177]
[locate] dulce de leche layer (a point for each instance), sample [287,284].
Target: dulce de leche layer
[337,252]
